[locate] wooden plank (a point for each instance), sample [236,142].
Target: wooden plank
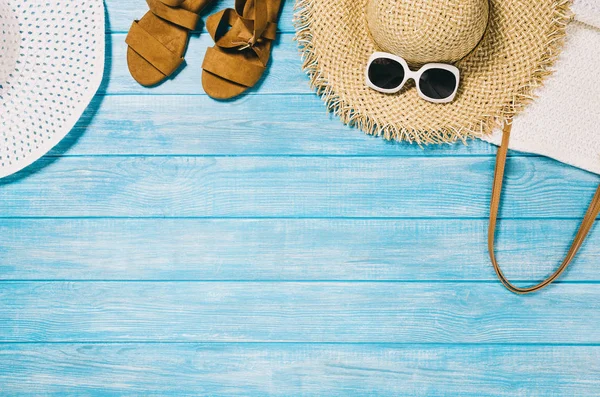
[387,312]
[291,187]
[284,75]
[288,249]
[121,13]
[292,369]
[269,125]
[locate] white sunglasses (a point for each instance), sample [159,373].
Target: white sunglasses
[436,82]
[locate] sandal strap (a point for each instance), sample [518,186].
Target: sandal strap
[230,17]
[173,3]
[152,50]
[261,16]
[174,14]
[242,32]
[219,63]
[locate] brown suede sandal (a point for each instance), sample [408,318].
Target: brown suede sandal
[158,40]
[243,38]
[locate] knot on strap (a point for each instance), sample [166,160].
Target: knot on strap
[230,30]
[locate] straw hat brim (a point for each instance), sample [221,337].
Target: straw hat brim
[498,78]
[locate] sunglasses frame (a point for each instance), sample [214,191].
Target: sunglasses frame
[416,76]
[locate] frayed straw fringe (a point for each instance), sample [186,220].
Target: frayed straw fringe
[303,11]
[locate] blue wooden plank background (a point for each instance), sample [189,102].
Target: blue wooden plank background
[260,247]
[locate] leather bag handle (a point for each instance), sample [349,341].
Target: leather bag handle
[584,229]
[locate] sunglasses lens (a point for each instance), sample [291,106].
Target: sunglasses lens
[386,73]
[437,83]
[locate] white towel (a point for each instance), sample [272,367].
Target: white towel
[587,11]
[564,121]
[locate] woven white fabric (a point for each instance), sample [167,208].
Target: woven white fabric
[564,121]
[51,64]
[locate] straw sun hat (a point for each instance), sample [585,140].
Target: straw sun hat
[503,49]
[51,64]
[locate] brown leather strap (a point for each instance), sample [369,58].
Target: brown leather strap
[177,15]
[230,17]
[243,72]
[584,229]
[173,3]
[261,17]
[152,50]
[247,31]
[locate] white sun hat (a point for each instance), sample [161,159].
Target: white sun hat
[564,121]
[51,65]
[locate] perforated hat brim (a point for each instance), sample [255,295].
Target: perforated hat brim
[51,64]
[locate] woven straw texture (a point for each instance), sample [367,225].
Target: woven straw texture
[498,77]
[428,31]
[51,64]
